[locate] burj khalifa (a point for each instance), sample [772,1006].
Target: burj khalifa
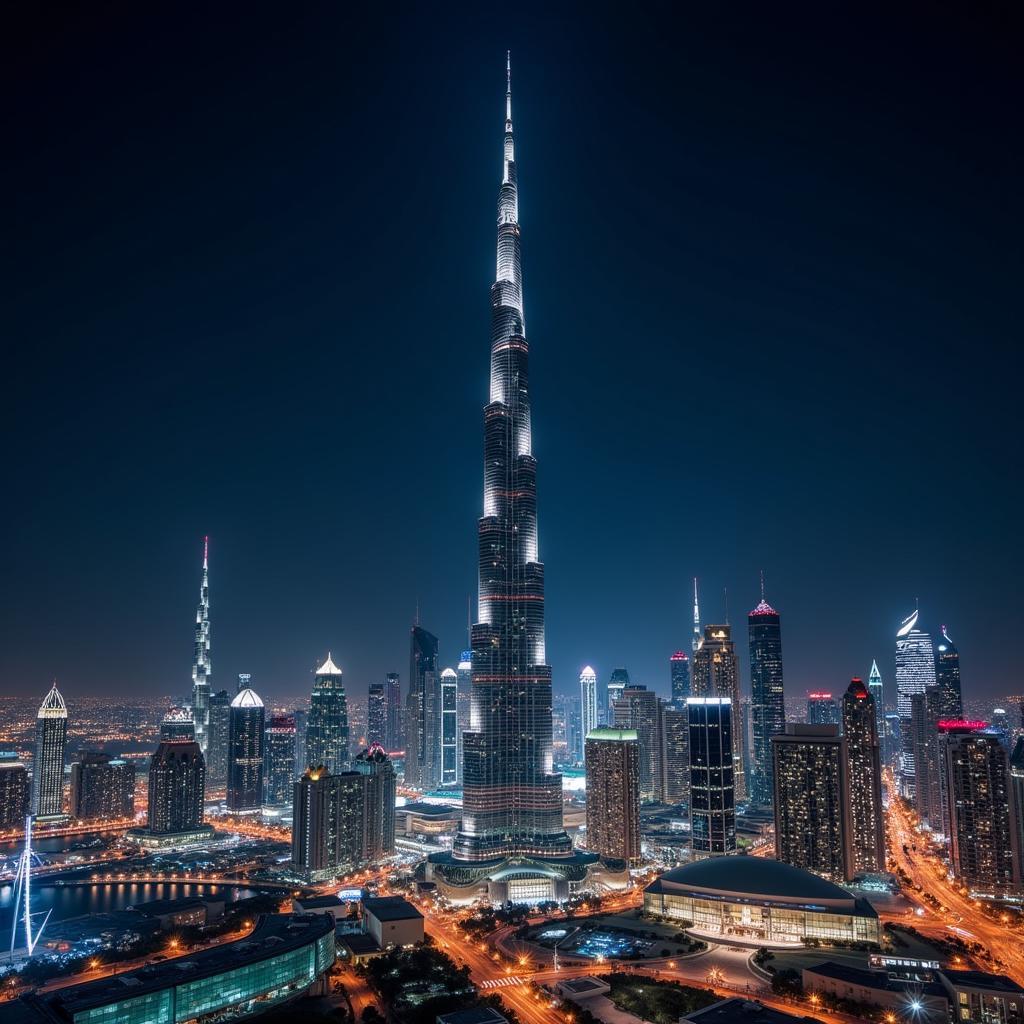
[511,836]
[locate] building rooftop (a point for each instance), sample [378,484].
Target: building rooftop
[736,1011]
[171,906]
[328,668]
[579,986]
[359,943]
[391,908]
[604,733]
[247,698]
[872,979]
[476,1015]
[433,810]
[320,902]
[755,876]
[979,979]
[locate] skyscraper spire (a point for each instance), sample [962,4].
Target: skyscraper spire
[696,617]
[201,657]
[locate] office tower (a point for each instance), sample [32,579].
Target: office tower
[177,724]
[575,737]
[449,774]
[822,708]
[617,682]
[376,714]
[1001,724]
[876,690]
[947,677]
[715,673]
[679,677]
[245,753]
[767,707]
[588,701]
[675,753]
[177,779]
[915,669]
[712,767]
[422,725]
[279,758]
[394,734]
[217,739]
[811,800]
[102,787]
[639,709]
[864,773]
[612,758]
[512,799]
[1017,791]
[892,742]
[378,802]
[695,643]
[327,723]
[465,671]
[925,715]
[15,793]
[984,818]
[327,823]
[201,657]
[48,765]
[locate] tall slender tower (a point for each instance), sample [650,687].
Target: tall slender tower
[915,670]
[877,691]
[201,657]
[716,673]
[864,775]
[767,708]
[588,701]
[512,798]
[696,618]
[48,766]
[947,666]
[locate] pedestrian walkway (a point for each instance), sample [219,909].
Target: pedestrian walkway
[501,982]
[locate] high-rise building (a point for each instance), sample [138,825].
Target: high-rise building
[245,753]
[48,764]
[822,708]
[588,701]
[376,714]
[394,734]
[877,691]
[177,778]
[925,715]
[217,739]
[716,674]
[327,723]
[617,682]
[695,643]
[378,803]
[177,724]
[450,753]
[279,761]
[811,800]
[102,787]
[675,751]
[712,767]
[679,678]
[767,706]
[915,669]
[512,797]
[327,823]
[465,672]
[1016,789]
[947,676]
[201,656]
[984,818]
[639,709]
[15,793]
[422,711]
[864,774]
[575,738]
[244,682]
[612,760]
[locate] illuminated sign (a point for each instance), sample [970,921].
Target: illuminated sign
[350,895]
[885,962]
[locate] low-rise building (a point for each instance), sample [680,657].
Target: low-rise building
[741,1011]
[581,989]
[190,911]
[474,1015]
[392,921]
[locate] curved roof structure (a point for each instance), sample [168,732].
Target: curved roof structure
[763,608]
[247,699]
[53,705]
[754,876]
[908,623]
[328,668]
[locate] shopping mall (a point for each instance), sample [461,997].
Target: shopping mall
[285,956]
[755,899]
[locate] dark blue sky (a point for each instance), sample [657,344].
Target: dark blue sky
[772,266]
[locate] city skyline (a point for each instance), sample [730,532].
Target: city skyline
[827,339]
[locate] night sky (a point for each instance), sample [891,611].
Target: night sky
[772,280]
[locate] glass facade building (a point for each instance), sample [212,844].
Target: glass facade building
[245,752]
[422,712]
[201,657]
[588,702]
[613,794]
[279,760]
[767,708]
[864,772]
[327,742]
[712,798]
[947,676]
[716,673]
[915,670]
[679,678]
[48,764]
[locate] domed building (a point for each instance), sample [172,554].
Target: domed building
[753,899]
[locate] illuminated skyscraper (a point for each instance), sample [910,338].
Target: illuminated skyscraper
[102,787]
[588,701]
[15,792]
[925,715]
[394,734]
[245,753]
[512,797]
[695,643]
[376,714]
[767,708]
[48,764]
[177,724]
[864,775]
[448,774]
[947,675]
[639,709]
[812,800]
[612,759]
[217,739]
[327,723]
[378,802]
[422,711]
[716,674]
[877,691]
[675,753]
[177,784]
[915,670]
[327,824]
[679,675]
[712,794]
[243,682]
[617,682]
[279,761]
[201,657]
[822,708]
